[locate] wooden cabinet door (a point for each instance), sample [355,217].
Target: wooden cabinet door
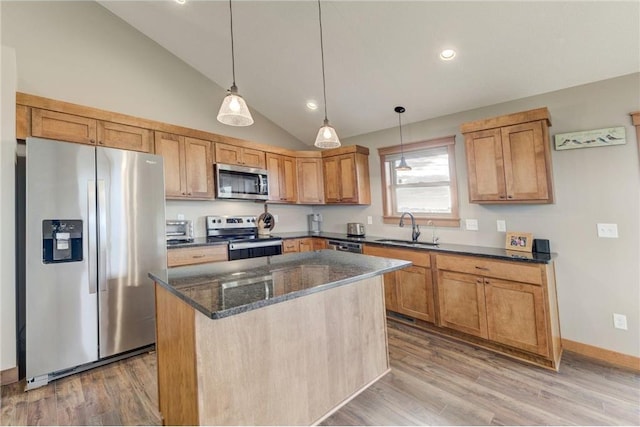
[310,182]
[63,127]
[485,166]
[290,246]
[516,315]
[414,289]
[253,158]
[198,168]
[116,135]
[348,181]
[171,148]
[461,303]
[282,178]
[524,162]
[305,245]
[318,243]
[228,154]
[390,291]
[331,174]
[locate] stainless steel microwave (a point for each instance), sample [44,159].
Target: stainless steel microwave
[241,182]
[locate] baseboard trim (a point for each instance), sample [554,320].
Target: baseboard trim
[609,356]
[9,376]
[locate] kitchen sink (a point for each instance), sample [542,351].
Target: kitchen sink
[407,243]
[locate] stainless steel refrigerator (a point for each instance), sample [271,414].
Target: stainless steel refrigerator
[95,226]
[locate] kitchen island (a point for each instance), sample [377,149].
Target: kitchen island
[282,340]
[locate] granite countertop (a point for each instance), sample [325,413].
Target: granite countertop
[227,288]
[483,251]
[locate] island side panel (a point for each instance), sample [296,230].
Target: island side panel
[294,362]
[175,349]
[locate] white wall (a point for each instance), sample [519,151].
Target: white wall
[7,210]
[595,276]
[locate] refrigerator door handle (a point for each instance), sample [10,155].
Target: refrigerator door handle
[91,236]
[102,236]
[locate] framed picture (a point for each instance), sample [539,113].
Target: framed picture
[590,138]
[519,241]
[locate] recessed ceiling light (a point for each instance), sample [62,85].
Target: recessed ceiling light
[447,54]
[312,105]
[181,1]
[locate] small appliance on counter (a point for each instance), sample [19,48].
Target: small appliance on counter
[315,222]
[179,231]
[355,229]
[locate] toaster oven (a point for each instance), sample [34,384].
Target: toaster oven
[179,231]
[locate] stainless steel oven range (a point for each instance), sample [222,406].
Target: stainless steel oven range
[241,232]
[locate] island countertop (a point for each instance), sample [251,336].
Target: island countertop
[224,289]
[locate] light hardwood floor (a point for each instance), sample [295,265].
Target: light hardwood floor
[434,380]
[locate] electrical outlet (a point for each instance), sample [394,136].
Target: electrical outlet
[620,321]
[501,225]
[369,220]
[471,224]
[275,218]
[608,231]
[180,217]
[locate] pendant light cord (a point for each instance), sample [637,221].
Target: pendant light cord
[324,84]
[400,126]
[233,61]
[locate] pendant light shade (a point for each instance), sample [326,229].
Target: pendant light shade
[327,135]
[402,166]
[234,110]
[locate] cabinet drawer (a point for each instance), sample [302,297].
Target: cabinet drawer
[290,245]
[519,272]
[196,255]
[418,258]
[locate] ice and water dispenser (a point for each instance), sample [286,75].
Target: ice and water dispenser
[61,240]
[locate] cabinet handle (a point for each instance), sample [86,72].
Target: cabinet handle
[479,281]
[482,268]
[502,196]
[511,197]
[197,256]
[486,281]
[93,141]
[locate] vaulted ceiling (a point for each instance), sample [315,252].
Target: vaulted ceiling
[379,54]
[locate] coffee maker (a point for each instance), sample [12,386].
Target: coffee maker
[315,222]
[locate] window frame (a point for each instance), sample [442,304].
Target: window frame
[439,220]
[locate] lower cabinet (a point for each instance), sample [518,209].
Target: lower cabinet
[304,244]
[508,303]
[408,291]
[461,303]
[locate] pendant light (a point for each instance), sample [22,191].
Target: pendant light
[234,110]
[403,166]
[327,136]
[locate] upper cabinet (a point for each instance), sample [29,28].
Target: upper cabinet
[310,181]
[243,156]
[509,158]
[188,166]
[346,175]
[85,130]
[282,178]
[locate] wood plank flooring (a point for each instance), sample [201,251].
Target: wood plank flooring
[434,381]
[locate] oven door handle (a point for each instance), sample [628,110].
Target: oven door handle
[249,245]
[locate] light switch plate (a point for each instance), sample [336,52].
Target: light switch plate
[619,321]
[501,225]
[276,218]
[608,231]
[180,217]
[369,220]
[471,224]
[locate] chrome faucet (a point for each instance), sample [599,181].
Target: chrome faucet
[415,228]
